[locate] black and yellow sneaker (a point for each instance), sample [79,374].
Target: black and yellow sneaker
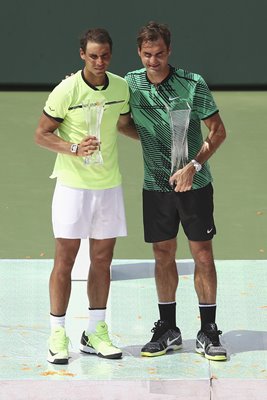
[208,343]
[164,339]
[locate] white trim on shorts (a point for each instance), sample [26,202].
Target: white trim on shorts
[85,213]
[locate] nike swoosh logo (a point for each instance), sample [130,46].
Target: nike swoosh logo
[209,230]
[51,109]
[173,98]
[52,354]
[201,344]
[169,342]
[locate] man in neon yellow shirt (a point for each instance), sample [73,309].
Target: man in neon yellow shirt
[88,200]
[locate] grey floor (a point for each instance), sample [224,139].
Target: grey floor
[132,310]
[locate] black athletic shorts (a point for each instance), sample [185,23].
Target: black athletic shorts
[163,212]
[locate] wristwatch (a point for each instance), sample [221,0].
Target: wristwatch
[197,165]
[74,148]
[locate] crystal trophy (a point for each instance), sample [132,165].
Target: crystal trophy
[179,114]
[93,113]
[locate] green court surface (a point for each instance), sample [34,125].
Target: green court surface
[239,169]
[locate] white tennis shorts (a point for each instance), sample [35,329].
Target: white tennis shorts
[85,213]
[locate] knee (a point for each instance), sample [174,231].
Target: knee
[163,254]
[64,262]
[65,253]
[204,260]
[102,259]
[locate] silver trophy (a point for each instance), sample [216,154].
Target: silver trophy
[93,113]
[179,113]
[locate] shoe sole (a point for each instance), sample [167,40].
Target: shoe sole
[58,361]
[161,353]
[92,351]
[212,358]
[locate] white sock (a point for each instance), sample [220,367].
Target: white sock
[57,321]
[94,317]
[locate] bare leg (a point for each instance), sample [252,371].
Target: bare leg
[101,253]
[205,272]
[60,278]
[166,277]
[165,270]
[208,342]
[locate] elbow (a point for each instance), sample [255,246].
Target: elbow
[37,138]
[221,133]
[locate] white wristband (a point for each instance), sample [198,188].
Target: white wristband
[197,165]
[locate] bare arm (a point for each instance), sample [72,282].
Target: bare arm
[216,136]
[183,178]
[45,137]
[127,127]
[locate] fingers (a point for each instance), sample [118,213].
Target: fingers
[179,188]
[172,181]
[180,184]
[88,146]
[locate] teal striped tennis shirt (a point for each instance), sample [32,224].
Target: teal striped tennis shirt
[148,106]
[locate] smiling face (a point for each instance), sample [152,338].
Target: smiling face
[97,57]
[155,56]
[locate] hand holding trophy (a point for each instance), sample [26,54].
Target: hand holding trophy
[93,113]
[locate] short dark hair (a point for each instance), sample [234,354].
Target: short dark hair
[152,32]
[97,35]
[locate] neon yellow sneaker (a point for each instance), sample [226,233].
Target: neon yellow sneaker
[99,343]
[58,352]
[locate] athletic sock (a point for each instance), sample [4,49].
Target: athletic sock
[95,315]
[207,314]
[57,320]
[167,312]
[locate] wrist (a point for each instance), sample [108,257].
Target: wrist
[196,165]
[74,147]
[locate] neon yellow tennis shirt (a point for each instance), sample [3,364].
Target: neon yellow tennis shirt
[64,104]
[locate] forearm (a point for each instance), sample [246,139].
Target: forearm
[213,141]
[183,178]
[46,137]
[51,141]
[127,127]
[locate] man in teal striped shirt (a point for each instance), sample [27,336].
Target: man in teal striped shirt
[173,196]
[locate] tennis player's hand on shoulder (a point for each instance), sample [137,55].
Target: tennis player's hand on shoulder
[182,180]
[87,146]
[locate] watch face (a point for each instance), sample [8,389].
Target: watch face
[197,165]
[73,148]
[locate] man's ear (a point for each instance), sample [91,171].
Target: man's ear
[139,51]
[82,55]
